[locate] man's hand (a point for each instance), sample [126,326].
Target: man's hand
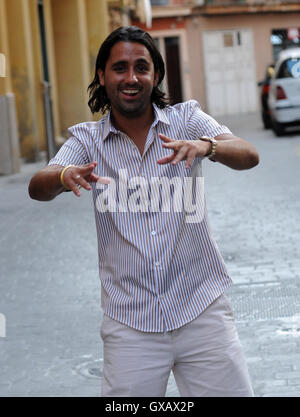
[183,150]
[232,151]
[46,183]
[78,176]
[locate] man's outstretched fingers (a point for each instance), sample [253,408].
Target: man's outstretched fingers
[166,159]
[79,176]
[74,187]
[79,180]
[189,159]
[167,141]
[104,180]
[165,138]
[180,155]
[87,169]
[93,177]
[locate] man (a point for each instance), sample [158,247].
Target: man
[163,278]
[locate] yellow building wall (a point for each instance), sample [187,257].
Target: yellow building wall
[97,23]
[72,61]
[9,140]
[5,82]
[98,28]
[74,31]
[79,28]
[26,72]
[52,69]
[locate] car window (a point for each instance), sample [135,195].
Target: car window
[290,68]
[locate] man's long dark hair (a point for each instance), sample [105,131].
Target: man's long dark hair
[98,100]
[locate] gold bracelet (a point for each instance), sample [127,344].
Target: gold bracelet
[62,174]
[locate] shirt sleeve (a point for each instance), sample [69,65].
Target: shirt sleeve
[73,152]
[201,124]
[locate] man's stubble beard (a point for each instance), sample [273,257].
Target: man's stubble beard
[134,111]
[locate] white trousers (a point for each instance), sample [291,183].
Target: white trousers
[204,355]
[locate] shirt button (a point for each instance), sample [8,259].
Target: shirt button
[153,233]
[157,263]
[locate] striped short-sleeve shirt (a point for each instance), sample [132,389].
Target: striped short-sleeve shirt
[159,264]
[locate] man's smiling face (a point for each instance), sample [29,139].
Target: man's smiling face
[129,78]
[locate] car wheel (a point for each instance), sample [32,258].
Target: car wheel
[278,128]
[266,121]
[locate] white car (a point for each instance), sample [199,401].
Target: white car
[284,94]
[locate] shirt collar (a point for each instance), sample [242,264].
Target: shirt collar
[108,126]
[159,116]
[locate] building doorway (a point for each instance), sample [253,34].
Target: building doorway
[170,49]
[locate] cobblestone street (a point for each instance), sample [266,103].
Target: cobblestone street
[50,289]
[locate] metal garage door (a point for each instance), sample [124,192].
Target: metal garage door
[230,72]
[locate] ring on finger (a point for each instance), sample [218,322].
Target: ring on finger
[77,178]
